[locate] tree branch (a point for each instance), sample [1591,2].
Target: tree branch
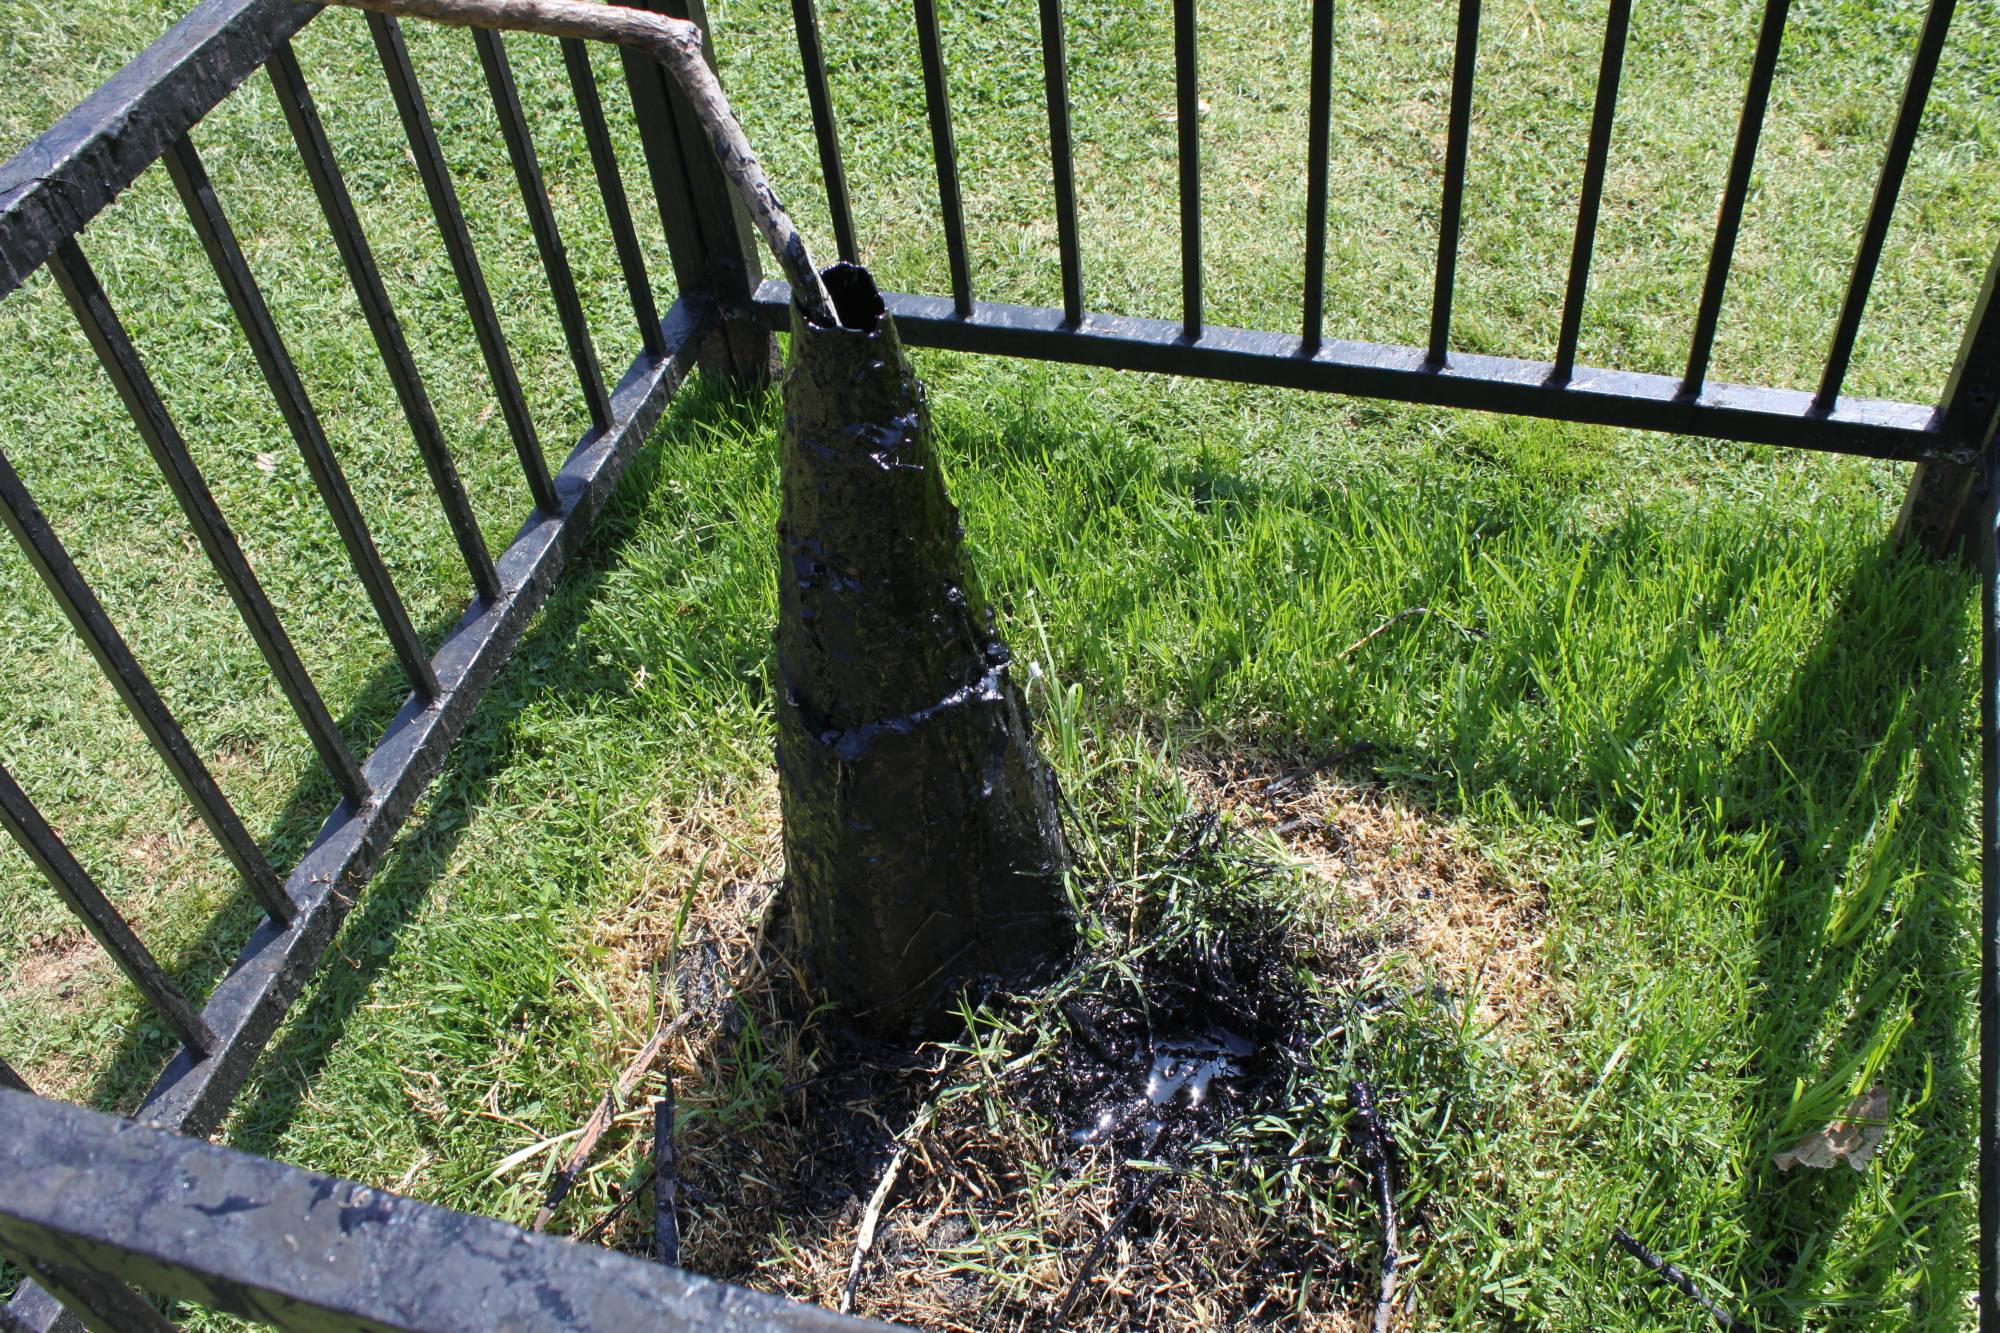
[677,45]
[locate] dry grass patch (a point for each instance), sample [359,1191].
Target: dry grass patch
[58,980]
[1002,1208]
[1405,878]
[720,854]
[58,969]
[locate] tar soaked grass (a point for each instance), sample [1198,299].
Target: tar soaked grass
[922,848]
[1165,1133]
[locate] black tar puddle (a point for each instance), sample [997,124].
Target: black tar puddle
[1205,1020]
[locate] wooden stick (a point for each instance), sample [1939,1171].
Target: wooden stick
[600,1119]
[611,1214]
[1675,1278]
[1089,1266]
[871,1217]
[1397,619]
[677,45]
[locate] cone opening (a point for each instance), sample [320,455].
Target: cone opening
[855,297]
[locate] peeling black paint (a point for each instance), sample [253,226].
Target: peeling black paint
[353,1216]
[235,1203]
[374,1262]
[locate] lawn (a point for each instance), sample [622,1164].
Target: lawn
[1690,746]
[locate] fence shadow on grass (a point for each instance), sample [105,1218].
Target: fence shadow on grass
[200,962]
[425,849]
[1870,746]
[1861,774]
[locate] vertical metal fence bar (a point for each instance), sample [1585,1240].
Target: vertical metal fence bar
[1969,411]
[87,902]
[1989,900]
[937,100]
[323,169]
[611,188]
[120,360]
[687,247]
[1762,66]
[1187,114]
[1909,115]
[1055,81]
[218,238]
[52,564]
[409,99]
[826,130]
[1319,114]
[542,222]
[1616,22]
[1939,512]
[1459,130]
[706,222]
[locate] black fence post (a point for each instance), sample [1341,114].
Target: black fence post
[1945,498]
[715,254]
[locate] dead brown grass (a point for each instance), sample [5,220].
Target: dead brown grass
[1405,877]
[785,1126]
[62,974]
[58,967]
[723,844]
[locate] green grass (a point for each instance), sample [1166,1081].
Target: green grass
[1680,685]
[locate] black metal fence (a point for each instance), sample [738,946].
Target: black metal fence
[88,1206]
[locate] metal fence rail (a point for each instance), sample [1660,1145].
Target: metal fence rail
[299,1250]
[104,1228]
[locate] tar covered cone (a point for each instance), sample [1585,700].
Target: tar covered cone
[922,847]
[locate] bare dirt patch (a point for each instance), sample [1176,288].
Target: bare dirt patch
[57,968]
[59,975]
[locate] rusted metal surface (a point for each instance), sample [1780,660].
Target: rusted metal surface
[106,1202]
